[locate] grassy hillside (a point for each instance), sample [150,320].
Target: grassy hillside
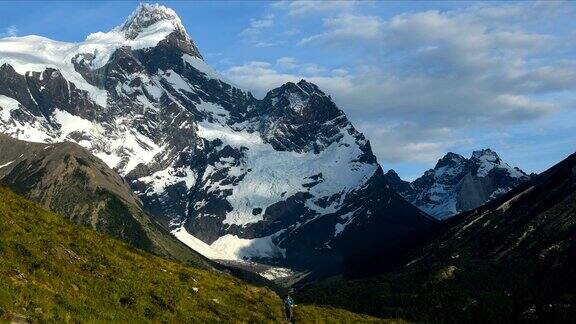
[68,180]
[53,270]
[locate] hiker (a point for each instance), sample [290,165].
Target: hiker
[289,304]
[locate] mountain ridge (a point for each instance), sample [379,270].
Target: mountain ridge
[457,184]
[510,260]
[248,177]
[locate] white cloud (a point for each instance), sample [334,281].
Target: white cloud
[348,28]
[423,77]
[287,62]
[254,33]
[259,77]
[265,22]
[10,31]
[393,142]
[454,64]
[302,7]
[339,72]
[458,32]
[312,69]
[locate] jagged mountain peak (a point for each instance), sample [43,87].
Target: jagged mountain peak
[457,183]
[302,88]
[249,177]
[147,15]
[309,87]
[301,117]
[303,98]
[394,181]
[148,26]
[450,159]
[486,154]
[486,160]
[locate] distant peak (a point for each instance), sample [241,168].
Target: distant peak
[453,156]
[485,153]
[392,173]
[303,98]
[310,88]
[308,85]
[302,87]
[147,15]
[450,159]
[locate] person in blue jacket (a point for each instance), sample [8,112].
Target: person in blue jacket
[289,304]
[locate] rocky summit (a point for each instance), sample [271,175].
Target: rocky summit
[458,184]
[286,179]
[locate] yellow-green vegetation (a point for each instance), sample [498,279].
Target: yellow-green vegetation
[326,314]
[56,271]
[53,270]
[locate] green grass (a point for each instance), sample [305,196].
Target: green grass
[53,270]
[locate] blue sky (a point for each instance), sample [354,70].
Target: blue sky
[418,78]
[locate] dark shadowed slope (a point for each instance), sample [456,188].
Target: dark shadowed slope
[512,259]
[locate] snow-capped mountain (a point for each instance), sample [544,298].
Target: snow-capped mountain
[286,178]
[458,184]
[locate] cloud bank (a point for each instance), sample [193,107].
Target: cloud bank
[420,78]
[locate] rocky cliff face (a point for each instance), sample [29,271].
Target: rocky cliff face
[458,184]
[286,179]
